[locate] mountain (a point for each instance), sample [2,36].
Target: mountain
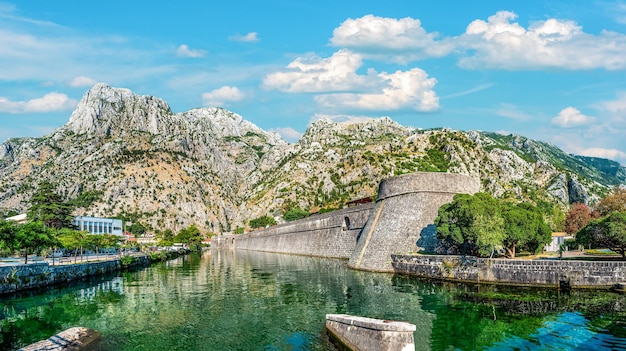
[130,155]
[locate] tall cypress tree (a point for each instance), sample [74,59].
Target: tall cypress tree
[48,207]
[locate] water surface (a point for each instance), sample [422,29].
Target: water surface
[239,300]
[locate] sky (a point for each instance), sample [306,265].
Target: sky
[554,71]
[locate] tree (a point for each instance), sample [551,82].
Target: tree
[608,232]
[48,207]
[478,224]
[136,228]
[32,237]
[190,235]
[465,223]
[525,228]
[613,202]
[577,218]
[262,222]
[73,240]
[8,232]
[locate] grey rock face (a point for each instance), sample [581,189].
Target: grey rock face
[212,168]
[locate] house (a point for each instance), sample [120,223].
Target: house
[558,239]
[96,225]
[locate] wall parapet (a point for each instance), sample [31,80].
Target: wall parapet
[368,334]
[552,273]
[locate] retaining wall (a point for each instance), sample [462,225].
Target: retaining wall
[330,234]
[579,274]
[28,276]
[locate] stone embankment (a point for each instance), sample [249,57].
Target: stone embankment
[368,334]
[35,275]
[552,273]
[73,339]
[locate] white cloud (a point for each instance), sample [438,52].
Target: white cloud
[221,96]
[501,43]
[571,117]
[347,119]
[512,112]
[611,154]
[341,87]
[48,103]
[81,82]
[251,37]
[617,106]
[390,39]
[288,133]
[185,51]
[403,90]
[314,74]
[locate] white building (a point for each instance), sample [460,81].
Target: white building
[96,225]
[20,218]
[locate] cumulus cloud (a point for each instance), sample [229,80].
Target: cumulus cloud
[185,51]
[501,43]
[81,82]
[340,86]
[287,133]
[410,90]
[314,74]
[571,117]
[48,103]
[221,96]
[251,37]
[347,119]
[612,154]
[388,38]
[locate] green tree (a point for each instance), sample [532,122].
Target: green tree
[478,224]
[136,228]
[191,236]
[48,207]
[607,232]
[489,233]
[525,228]
[32,237]
[463,225]
[73,240]
[8,233]
[294,214]
[262,222]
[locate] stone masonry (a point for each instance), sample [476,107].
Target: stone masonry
[405,210]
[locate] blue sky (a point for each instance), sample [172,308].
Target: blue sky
[549,70]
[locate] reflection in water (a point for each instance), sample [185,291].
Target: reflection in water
[239,300]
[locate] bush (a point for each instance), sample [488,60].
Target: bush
[295,213]
[262,222]
[128,261]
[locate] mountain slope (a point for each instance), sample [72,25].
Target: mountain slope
[134,157]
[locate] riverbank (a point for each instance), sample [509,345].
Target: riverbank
[541,272]
[19,277]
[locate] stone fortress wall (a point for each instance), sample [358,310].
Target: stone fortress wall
[331,234]
[366,234]
[379,237]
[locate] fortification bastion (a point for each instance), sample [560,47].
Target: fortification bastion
[402,220]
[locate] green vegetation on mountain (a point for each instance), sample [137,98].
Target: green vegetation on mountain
[129,156]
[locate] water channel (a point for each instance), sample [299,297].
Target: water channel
[226,300]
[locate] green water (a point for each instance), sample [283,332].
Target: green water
[254,301]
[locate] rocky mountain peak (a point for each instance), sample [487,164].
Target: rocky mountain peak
[105,110]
